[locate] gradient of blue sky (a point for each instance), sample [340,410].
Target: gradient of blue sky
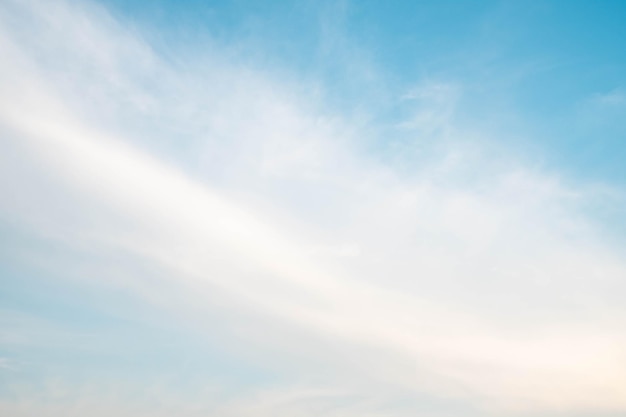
[541,63]
[309,208]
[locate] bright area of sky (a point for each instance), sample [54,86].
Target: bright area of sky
[312,208]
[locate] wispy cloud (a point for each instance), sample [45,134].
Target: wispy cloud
[616,97]
[468,278]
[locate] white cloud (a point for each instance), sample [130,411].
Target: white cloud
[435,104]
[616,97]
[487,288]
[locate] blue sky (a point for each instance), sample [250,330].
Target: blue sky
[308,208]
[541,64]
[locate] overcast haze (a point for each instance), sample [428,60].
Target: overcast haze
[303,208]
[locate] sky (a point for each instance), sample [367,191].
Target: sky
[312,208]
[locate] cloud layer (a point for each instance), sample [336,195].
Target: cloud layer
[447,272]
